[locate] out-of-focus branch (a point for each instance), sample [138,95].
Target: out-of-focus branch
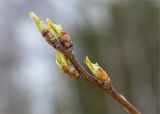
[57,37]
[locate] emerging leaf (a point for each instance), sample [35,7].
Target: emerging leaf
[44,28]
[54,27]
[39,24]
[61,59]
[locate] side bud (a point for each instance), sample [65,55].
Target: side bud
[66,65]
[96,70]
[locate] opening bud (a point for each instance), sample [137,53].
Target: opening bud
[63,36]
[96,70]
[51,31]
[66,65]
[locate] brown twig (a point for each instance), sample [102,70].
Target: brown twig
[64,45]
[108,88]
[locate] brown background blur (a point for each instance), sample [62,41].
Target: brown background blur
[121,35]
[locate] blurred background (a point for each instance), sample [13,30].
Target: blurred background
[121,35]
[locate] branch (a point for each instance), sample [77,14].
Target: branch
[108,87]
[57,37]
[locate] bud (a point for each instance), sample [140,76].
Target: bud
[96,70]
[49,34]
[66,65]
[63,36]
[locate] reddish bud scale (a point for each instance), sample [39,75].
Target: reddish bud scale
[70,70]
[65,39]
[50,38]
[105,83]
[47,35]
